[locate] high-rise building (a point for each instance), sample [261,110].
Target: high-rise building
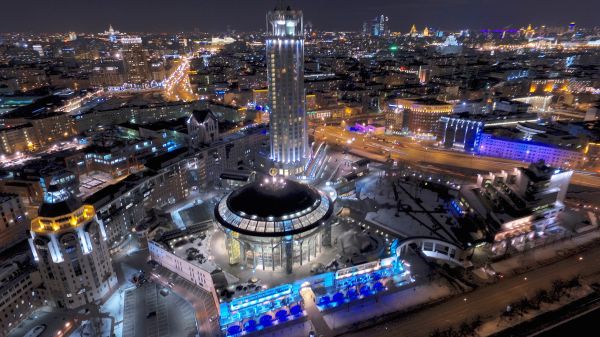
[378,26]
[285,75]
[13,228]
[19,283]
[70,248]
[135,61]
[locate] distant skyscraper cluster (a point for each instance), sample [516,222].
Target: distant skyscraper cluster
[377,26]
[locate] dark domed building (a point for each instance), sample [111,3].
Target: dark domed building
[275,224]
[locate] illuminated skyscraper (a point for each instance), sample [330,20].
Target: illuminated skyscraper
[285,74]
[378,26]
[135,60]
[70,248]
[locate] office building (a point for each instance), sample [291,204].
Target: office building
[71,250]
[464,133]
[420,117]
[13,220]
[501,146]
[285,75]
[18,138]
[376,27]
[135,61]
[20,291]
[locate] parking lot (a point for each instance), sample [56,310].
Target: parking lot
[148,313]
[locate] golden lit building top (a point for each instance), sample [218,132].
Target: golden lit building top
[413,30]
[71,220]
[423,105]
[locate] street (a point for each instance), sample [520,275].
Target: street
[177,86]
[486,301]
[413,152]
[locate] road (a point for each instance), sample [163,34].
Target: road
[487,301]
[177,85]
[201,300]
[58,323]
[378,149]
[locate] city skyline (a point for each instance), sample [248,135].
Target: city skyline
[336,15]
[333,168]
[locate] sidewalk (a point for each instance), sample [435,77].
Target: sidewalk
[408,298]
[315,316]
[540,256]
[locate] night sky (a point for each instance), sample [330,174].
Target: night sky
[246,15]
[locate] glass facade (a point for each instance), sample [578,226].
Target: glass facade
[285,75]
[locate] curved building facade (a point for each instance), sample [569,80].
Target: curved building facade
[275,224]
[70,248]
[285,76]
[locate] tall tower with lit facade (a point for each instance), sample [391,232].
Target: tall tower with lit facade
[285,74]
[70,248]
[135,61]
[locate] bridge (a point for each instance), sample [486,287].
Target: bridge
[434,248]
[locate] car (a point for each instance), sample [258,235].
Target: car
[151,314]
[312,334]
[36,331]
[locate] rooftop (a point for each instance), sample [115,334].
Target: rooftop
[273,207]
[41,107]
[268,199]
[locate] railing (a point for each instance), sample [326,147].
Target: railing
[65,221]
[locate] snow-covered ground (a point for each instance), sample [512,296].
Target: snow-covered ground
[387,303]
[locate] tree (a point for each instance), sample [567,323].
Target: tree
[543,296]
[557,290]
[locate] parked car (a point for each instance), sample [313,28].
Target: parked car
[36,331]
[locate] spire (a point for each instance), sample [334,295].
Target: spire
[413,29]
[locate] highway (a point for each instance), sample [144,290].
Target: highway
[177,87]
[381,147]
[486,301]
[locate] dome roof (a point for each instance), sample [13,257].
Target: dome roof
[58,201]
[273,207]
[268,199]
[63,207]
